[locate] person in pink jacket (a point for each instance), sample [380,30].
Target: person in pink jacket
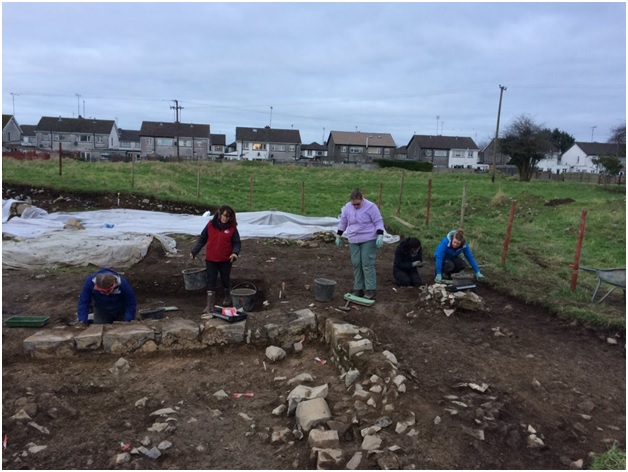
[362,224]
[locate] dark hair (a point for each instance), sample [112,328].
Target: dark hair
[106,280]
[228,210]
[356,194]
[411,244]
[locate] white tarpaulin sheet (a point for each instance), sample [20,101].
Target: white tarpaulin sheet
[120,237]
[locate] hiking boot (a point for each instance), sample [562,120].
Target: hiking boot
[369,294]
[228,300]
[357,293]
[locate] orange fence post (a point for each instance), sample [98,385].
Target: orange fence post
[576,262]
[508,232]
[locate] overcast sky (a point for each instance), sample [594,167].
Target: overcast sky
[398,68]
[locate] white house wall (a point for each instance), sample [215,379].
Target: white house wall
[464,160]
[576,160]
[11,132]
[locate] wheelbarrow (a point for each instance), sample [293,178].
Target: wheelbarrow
[615,277]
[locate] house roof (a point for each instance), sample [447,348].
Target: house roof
[218,139]
[402,149]
[28,130]
[443,142]
[75,125]
[313,147]
[130,135]
[358,138]
[268,135]
[599,149]
[6,119]
[171,130]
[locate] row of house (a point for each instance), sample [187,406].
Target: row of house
[94,139]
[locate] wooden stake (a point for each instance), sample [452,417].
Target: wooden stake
[60,160]
[508,232]
[576,262]
[302,197]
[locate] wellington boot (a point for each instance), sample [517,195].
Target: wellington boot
[211,296]
[227,301]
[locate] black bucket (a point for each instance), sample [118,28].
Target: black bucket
[243,296]
[195,279]
[324,289]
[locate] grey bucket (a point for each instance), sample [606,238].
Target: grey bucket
[324,289]
[194,279]
[243,296]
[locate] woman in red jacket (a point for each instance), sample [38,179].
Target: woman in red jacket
[223,247]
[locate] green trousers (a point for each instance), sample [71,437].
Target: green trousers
[363,261]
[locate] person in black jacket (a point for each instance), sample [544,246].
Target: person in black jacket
[408,256]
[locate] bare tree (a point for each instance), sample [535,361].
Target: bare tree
[618,134]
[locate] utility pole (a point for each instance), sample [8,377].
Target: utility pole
[83,108]
[437,118]
[270,125]
[176,108]
[78,105]
[592,130]
[323,142]
[13,98]
[499,112]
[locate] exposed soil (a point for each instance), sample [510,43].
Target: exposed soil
[563,379]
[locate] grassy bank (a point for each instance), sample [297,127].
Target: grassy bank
[543,240]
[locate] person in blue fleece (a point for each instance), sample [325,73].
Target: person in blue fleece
[447,258]
[110,295]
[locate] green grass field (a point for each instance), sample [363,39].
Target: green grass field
[543,240]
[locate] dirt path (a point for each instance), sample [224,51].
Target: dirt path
[561,379]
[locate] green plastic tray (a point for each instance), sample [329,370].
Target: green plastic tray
[26,321]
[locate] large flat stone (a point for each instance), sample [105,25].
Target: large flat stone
[294,325]
[50,343]
[311,413]
[217,331]
[90,338]
[336,331]
[179,333]
[126,337]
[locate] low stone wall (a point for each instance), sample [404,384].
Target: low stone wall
[370,377]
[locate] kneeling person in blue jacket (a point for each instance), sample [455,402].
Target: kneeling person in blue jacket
[111,297]
[447,258]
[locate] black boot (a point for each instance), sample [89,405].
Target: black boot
[227,301]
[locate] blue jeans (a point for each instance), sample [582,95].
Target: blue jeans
[363,261]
